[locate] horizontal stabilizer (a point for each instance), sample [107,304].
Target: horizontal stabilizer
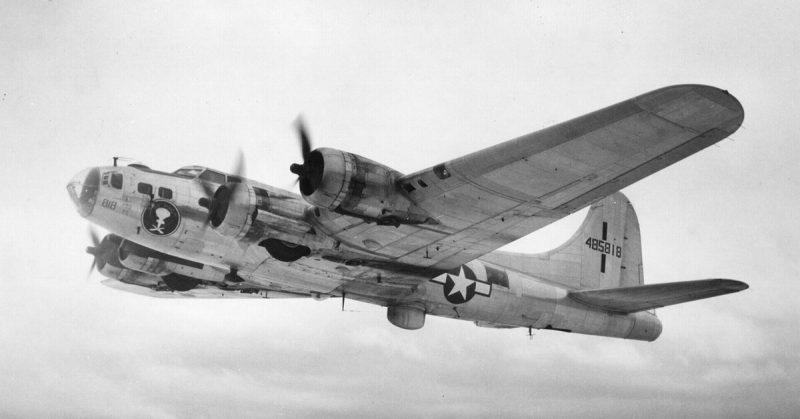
[645,297]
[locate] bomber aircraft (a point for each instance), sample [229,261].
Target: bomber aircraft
[424,243]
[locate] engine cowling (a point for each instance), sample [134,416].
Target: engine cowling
[135,264]
[141,259]
[234,207]
[110,266]
[106,257]
[353,185]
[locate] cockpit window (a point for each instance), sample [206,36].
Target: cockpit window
[213,176]
[116,180]
[189,171]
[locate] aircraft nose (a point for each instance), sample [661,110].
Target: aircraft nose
[82,189]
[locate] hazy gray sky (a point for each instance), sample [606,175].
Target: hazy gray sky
[409,84]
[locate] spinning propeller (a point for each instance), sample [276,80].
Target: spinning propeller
[104,251]
[93,250]
[309,174]
[217,200]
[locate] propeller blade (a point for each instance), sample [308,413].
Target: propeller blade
[212,199]
[91,268]
[239,168]
[93,250]
[93,236]
[238,171]
[305,140]
[207,189]
[303,171]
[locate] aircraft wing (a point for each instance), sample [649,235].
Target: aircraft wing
[494,196]
[645,297]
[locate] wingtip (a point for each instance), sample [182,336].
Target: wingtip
[724,98]
[733,285]
[740,286]
[721,96]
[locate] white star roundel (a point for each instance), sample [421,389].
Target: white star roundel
[461,285]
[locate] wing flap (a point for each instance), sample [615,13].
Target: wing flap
[645,297]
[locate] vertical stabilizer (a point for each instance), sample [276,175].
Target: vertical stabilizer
[605,252]
[609,244]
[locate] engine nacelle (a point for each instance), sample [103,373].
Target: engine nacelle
[135,264]
[141,259]
[233,210]
[247,213]
[406,317]
[110,266]
[353,185]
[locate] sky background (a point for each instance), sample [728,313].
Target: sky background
[409,84]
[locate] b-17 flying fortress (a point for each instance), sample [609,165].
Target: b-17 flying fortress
[423,243]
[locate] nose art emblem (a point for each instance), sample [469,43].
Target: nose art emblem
[161,218]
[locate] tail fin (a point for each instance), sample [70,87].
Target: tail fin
[609,245]
[602,263]
[605,252]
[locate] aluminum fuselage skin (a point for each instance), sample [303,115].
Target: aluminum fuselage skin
[528,299]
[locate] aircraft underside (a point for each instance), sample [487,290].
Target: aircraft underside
[425,243]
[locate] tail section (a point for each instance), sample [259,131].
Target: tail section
[602,264]
[605,252]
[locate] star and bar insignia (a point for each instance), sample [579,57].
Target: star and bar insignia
[461,285]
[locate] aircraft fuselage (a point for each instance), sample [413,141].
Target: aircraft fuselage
[165,213]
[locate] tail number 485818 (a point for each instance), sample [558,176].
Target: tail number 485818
[604,247]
